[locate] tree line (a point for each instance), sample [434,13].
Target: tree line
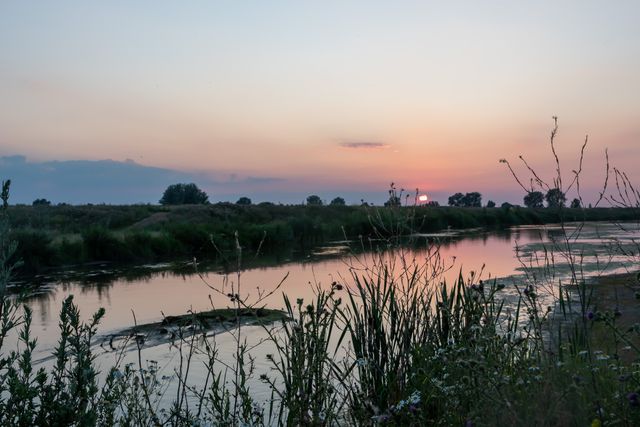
[554,197]
[190,194]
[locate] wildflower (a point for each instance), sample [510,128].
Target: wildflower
[590,315]
[633,399]
[415,397]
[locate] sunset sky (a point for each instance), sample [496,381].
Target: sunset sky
[278,99]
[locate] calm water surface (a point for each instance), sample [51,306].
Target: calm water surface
[161,293]
[166,293]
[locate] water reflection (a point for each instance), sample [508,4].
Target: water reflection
[171,289]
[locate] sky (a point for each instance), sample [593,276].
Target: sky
[280,99]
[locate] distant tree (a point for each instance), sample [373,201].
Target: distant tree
[338,201]
[432,204]
[469,200]
[506,205]
[184,194]
[456,199]
[575,203]
[555,198]
[243,201]
[41,202]
[472,200]
[314,200]
[534,199]
[491,204]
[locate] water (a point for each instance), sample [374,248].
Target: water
[153,292]
[163,293]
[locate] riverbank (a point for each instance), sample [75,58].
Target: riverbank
[55,236]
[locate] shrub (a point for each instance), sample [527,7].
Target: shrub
[184,194]
[101,244]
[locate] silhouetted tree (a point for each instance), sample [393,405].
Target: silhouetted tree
[456,199]
[575,203]
[243,201]
[506,205]
[469,200]
[338,201]
[184,194]
[555,198]
[41,202]
[432,204]
[314,200]
[491,204]
[472,200]
[534,199]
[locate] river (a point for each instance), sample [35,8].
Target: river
[152,292]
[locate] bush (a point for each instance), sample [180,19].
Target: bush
[184,194]
[101,244]
[33,250]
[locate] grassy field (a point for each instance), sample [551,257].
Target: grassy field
[53,236]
